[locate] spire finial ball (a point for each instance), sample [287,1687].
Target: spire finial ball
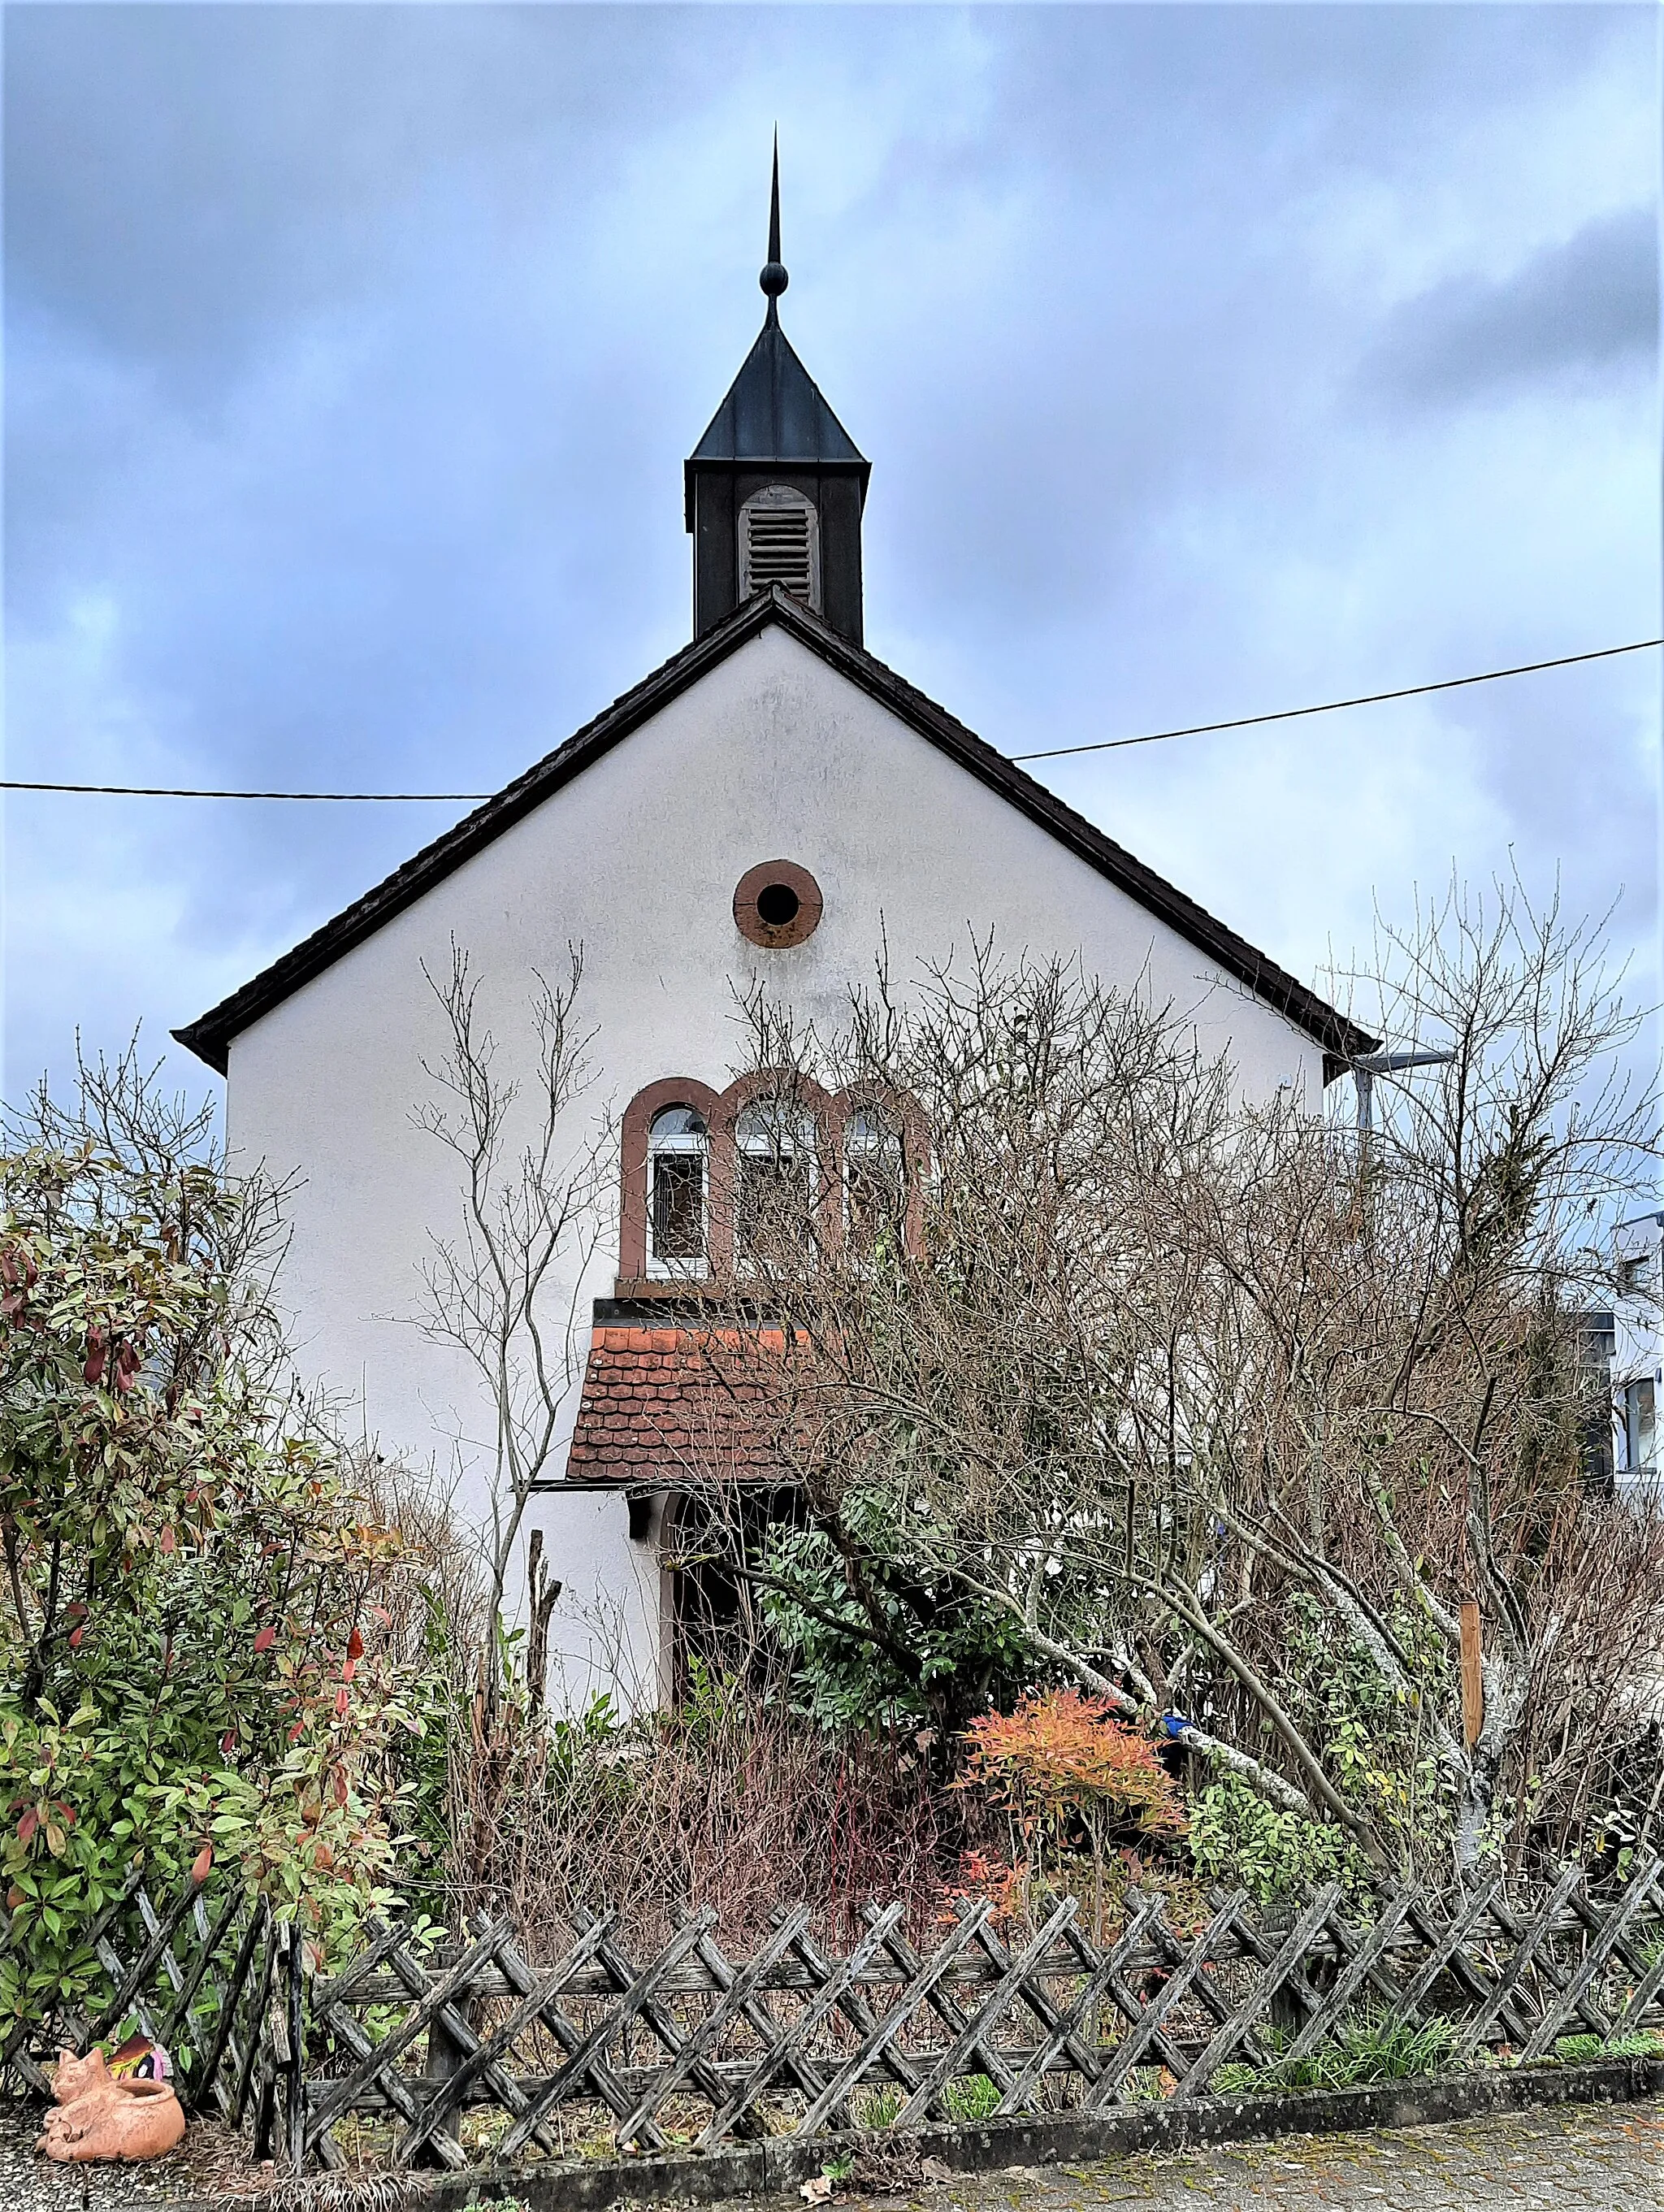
[774,278]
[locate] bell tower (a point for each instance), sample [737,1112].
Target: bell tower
[775,488]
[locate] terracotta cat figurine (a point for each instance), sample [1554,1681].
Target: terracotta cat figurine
[99,2118]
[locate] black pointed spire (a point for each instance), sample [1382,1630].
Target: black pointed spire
[774,437]
[774,278]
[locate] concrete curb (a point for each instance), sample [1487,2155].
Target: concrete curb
[778,2166]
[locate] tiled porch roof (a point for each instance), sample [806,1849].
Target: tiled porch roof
[661,1401]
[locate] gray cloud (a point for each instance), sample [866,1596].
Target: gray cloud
[1586,305]
[352,354]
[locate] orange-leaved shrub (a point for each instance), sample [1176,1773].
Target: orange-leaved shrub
[1061,1756]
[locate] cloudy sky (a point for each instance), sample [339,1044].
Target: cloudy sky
[1209,361]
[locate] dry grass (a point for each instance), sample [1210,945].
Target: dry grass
[735,1805]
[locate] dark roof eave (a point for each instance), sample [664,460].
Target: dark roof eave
[209,1036]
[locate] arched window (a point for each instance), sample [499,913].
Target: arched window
[775,1169]
[780,542]
[679,1151]
[874,1178]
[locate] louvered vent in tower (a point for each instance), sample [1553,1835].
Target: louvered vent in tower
[780,544]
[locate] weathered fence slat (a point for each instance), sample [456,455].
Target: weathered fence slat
[1545,1969]
[1063,2028]
[1362,1966]
[252,2073]
[890,2027]
[1152,1957]
[997,2060]
[130,1985]
[632,2000]
[1527,1940]
[853,2007]
[642,2003]
[1449,1949]
[941,2003]
[391,2086]
[1593,1918]
[482,2057]
[754,2010]
[703,2040]
[223,2046]
[451,2029]
[992,2006]
[338,2097]
[608,2088]
[200,1973]
[1177,1984]
[797,2034]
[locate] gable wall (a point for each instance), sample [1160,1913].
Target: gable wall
[771,755]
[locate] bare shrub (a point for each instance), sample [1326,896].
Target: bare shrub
[533,1172]
[730,1801]
[1230,1413]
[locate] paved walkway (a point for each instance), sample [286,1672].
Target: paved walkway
[1599,2158]
[1581,2159]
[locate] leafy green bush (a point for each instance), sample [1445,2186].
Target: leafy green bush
[1237,1838]
[1582,2050]
[880,2108]
[189,1582]
[1368,1729]
[873,1636]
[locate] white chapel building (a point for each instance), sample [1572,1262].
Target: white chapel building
[765,808]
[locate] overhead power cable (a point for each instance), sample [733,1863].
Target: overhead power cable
[192,790]
[1334,706]
[1055,752]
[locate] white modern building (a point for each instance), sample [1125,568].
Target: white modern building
[1637,1356]
[768,807]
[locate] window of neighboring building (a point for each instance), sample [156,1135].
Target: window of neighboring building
[774,1166]
[874,1179]
[678,1148]
[1639,1403]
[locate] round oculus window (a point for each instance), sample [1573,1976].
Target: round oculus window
[777,903]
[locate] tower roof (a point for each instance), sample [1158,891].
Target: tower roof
[775,412]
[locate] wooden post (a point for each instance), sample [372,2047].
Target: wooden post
[445,2057]
[296,2084]
[1472,1677]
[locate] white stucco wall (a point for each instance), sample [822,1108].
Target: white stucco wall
[771,755]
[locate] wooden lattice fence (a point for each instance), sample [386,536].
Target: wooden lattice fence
[480,2056]
[454,2056]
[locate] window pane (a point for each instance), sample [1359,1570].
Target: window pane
[678,1206]
[869,1130]
[675,1121]
[874,1184]
[773,1125]
[771,1209]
